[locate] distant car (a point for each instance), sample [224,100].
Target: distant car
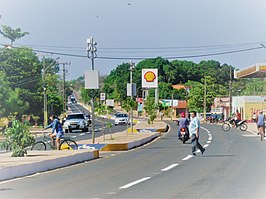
[121,118]
[76,121]
[73,99]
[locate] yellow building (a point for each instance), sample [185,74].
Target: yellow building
[248,105]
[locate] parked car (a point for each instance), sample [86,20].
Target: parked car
[75,121]
[121,118]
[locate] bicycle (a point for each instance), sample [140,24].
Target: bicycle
[230,122]
[66,143]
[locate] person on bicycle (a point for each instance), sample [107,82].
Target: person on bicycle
[57,130]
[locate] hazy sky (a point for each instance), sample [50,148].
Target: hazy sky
[140,29]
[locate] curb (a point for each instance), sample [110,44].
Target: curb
[29,168]
[129,145]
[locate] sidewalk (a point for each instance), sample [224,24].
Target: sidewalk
[39,161]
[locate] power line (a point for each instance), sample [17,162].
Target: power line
[140,58]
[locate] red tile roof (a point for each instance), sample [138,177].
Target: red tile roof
[179,86]
[181,104]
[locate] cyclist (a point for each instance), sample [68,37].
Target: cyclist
[57,130]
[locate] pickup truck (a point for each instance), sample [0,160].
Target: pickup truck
[76,121]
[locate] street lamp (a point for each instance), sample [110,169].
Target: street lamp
[45,117]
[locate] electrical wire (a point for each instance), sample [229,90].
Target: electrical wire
[166,56]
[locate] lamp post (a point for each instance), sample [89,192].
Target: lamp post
[45,117]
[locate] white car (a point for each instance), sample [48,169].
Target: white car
[76,121]
[121,118]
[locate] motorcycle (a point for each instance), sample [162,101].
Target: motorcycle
[230,122]
[184,135]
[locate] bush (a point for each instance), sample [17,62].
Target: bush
[17,139]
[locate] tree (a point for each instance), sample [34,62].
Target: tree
[151,108]
[4,95]
[12,34]
[196,95]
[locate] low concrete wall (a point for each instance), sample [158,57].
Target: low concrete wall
[39,161]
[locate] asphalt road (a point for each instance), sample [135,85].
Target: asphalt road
[233,166]
[100,125]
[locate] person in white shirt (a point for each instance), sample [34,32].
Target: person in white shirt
[194,134]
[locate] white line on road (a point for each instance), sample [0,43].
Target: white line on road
[208,142]
[81,134]
[169,167]
[134,183]
[188,157]
[206,145]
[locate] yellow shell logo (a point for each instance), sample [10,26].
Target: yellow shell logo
[149,76]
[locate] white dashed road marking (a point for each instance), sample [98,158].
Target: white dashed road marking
[134,183]
[170,167]
[188,157]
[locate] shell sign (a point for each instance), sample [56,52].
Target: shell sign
[149,78]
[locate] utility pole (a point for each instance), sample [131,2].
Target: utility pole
[92,55]
[45,114]
[45,117]
[230,92]
[205,96]
[64,84]
[131,94]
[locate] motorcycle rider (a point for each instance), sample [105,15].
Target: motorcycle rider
[237,118]
[182,123]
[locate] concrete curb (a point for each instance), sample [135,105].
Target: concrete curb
[129,145]
[47,162]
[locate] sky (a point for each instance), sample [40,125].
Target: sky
[228,31]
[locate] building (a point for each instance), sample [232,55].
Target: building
[248,105]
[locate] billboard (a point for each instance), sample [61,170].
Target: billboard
[169,102]
[150,78]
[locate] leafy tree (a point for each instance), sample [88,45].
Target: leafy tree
[15,104]
[151,108]
[23,70]
[4,94]
[12,34]
[196,95]
[252,87]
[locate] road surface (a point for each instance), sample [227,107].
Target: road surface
[233,166]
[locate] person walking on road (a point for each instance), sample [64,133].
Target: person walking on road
[194,134]
[56,126]
[261,124]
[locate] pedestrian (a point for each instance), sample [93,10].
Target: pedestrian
[261,124]
[194,134]
[57,130]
